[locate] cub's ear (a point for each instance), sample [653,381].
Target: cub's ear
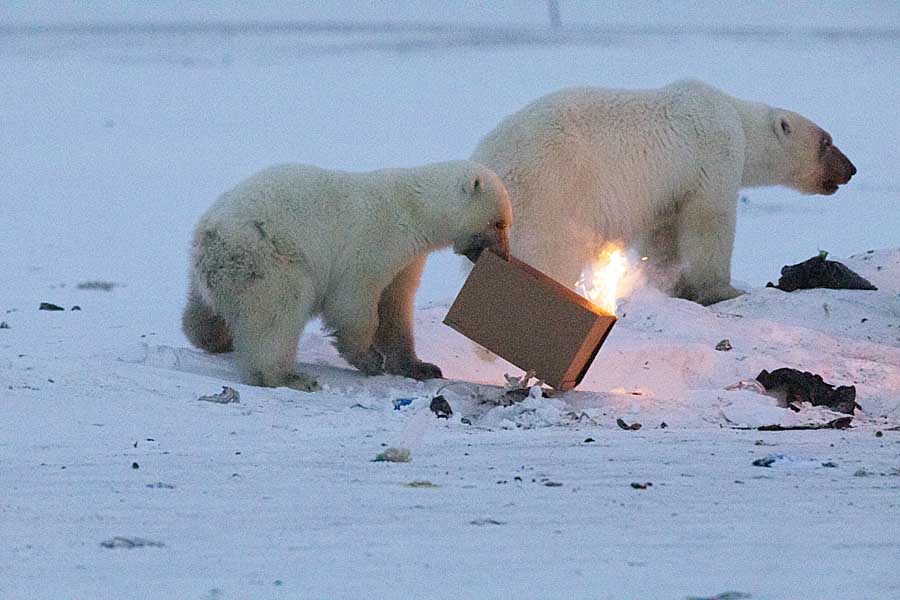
[782,126]
[473,185]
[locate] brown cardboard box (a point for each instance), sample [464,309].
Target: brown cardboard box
[531,320]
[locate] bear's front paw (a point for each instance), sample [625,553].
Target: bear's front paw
[370,362]
[418,370]
[706,295]
[720,295]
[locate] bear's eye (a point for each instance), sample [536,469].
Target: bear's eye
[500,225]
[826,142]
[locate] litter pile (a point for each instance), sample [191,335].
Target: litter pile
[793,387]
[817,272]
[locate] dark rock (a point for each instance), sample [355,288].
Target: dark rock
[641,486]
[134,465]
[440,407]
[50,306]
[820,273]
[724,346]
[4,325]
[795,386]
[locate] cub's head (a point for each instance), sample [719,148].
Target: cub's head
[487,214]
[810,162]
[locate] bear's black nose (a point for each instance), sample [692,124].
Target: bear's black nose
[852,169]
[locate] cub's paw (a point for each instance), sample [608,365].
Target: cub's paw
[418,370]
[303,382]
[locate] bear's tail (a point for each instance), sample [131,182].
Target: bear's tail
[204,328]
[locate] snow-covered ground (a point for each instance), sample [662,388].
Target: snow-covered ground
[115,140]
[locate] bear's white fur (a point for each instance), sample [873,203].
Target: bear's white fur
[655,168]
[294,241]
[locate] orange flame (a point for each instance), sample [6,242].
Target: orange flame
[600,283]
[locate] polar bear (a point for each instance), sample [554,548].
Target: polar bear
[294,241]
[659,169]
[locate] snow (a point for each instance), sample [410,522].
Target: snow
[116,141]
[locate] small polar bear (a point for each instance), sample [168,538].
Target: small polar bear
[659,169]
[294,241]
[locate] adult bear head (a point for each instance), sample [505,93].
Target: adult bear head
[809,161]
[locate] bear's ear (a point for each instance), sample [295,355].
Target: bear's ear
[782,126]
[473,185]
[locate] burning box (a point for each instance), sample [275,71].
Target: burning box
[529,319]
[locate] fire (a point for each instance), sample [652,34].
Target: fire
[601,282]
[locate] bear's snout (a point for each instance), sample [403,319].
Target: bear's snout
[837,170]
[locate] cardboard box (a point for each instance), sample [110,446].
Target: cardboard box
[529,319]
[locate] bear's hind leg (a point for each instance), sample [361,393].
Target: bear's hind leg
[203,327]
[394,336]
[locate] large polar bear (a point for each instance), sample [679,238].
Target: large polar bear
[294,241]
[655,168]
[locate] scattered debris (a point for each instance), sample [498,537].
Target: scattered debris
[722,596]
[724,345]
[440,407]
[763,443]
[4,325]
[641,486]
[552,484]
[393,455]
[399,403]
[76,307]
[820,273]
[226,396]
[750,385]
[663,425]
[103,286]
[839,423]
[422,484]
[159,485]
[518,383]
[517,389]
[134,465]
[50,306]
[829,464]
[792,386]
[589,440]
[129,543]
[582,417]
[878,434]
[626,426]
[768,460]
[486,522]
